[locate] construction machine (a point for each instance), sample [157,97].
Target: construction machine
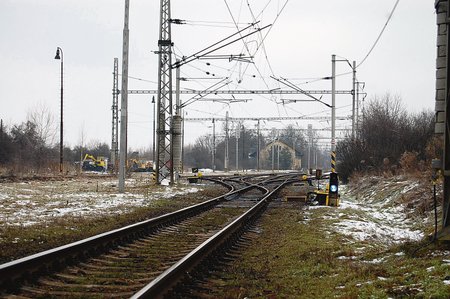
[135,165]
[90,163]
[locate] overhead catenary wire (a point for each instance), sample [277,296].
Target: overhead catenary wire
[379,35]
[211,48]
[261,43]
[260,46]
[140,79]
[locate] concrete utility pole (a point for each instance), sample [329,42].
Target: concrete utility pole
[294,155]
[237,147]
[278,158]
[177,143]
[310,140]
[359,85]
[214,146]
[164,157]
[153,129]
[115,118]
[243,147]
[353,99]
[273,157]
[258,147]
[182,142]
[333,113]
[227,139]
[124,101]
[357,108]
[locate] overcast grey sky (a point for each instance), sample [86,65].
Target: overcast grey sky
[299,47]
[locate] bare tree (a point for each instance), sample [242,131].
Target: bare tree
[82,142]
[44,120]
[386,133]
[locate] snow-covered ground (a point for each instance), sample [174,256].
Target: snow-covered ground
[377,215]
[385,224]
[32,202]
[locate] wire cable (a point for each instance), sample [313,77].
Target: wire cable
[379,36]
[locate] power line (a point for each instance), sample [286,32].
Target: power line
[381,33]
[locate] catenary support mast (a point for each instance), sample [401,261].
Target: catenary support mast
[333,113]
[164,155]
[115,118]
[124,101]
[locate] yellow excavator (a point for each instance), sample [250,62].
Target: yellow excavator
[90,163]
[135,165]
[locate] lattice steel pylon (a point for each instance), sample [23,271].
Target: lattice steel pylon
[115,118]
[164,155]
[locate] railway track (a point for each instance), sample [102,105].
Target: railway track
[147,259]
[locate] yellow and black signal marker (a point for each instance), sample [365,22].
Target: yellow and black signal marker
[333,161]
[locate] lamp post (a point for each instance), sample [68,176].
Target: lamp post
[59,56]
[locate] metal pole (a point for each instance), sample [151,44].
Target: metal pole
[182,147]
[353,99]
[243,148]
[309,145]
[154,121]
[258,149]
[357,107]
[164,161]
[214,146]
[293,155]
[333,113]
[124,101]
[115,118]
[177,90]
[61,135]
[226,162]
[177,130]
[237,147]
[273,156]
[278,158]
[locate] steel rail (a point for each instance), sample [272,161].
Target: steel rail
[169,278]
[54,259]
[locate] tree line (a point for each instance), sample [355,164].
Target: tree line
[24,149]
[388,140]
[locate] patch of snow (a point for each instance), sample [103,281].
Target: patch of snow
[319,207]
[369,230]
[343,257]
[61,199]
[366,219]
[376,261]
[440,253]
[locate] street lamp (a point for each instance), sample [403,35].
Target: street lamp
[61,159]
